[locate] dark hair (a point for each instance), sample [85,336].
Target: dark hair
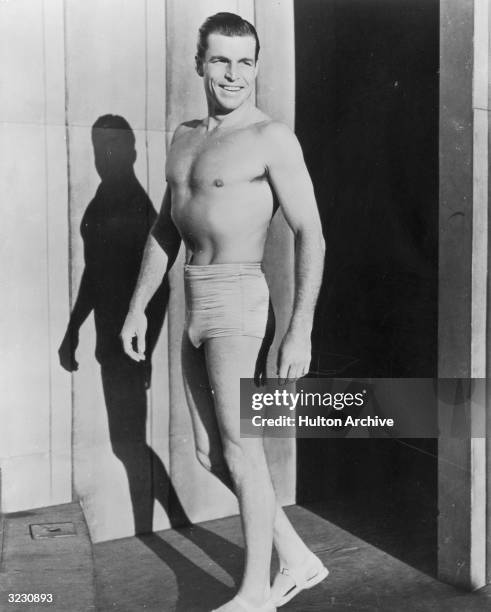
[114,122]
[227,24]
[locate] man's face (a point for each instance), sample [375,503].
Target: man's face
[228,69]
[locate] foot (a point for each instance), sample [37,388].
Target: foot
[237,604]
[289,581]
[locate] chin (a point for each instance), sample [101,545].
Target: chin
[231,105]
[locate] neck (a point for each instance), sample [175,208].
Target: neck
[217,119]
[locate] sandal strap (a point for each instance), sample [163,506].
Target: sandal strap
[298,575]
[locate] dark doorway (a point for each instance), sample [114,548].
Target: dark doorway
[367,119]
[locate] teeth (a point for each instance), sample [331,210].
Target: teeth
[232,88]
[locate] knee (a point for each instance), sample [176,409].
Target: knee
[234,458]
[243,456]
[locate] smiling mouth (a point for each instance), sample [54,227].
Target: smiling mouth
[231,88]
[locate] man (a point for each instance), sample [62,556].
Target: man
[224,173]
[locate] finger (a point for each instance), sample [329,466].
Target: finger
[140,343]
[304,371]
[307,365]
[128,347]
[293,372]
[282,372]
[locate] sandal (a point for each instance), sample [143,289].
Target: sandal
[299,578]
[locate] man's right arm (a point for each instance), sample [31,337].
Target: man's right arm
[160,253]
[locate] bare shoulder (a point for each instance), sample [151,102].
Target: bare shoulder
[186,127]
[280,142]
[278,133]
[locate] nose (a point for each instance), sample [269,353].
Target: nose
[231,72]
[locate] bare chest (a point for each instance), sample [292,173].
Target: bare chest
[200,162]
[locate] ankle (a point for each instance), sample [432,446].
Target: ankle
[303,559]
[291,551]
[255,599]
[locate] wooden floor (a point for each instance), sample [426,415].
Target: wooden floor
[61,568]
[195,569]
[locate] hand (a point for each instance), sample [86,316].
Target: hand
[66,352]
[135,325]
[294,356]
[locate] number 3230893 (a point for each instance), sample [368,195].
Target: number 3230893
[30,597]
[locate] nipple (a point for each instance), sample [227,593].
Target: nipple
[218,182]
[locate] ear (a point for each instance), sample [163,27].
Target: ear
[256,68]
[198,65]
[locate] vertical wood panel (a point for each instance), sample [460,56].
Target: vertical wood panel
[276,77]
[482,94]
[455,187]
[106,48]
[158,415]
[276,96]
[480,105]
[33,447]
[454,276]
[488,330]
[22,62]
[57,256]
[480,233]
[462,295]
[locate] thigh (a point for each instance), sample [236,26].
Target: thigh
[199,397]
[126,400]
[229,359]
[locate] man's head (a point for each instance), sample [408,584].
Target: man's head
[114,146]
[226,24]
[226,58]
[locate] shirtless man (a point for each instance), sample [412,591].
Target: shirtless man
[221,174]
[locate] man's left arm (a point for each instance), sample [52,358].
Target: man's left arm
[293,187]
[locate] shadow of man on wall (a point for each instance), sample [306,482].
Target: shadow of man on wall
[114,230]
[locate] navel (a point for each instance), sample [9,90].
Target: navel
[218,182]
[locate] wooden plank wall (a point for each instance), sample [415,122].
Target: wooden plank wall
[35,406]
[64,64]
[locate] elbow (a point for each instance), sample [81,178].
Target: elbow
[311,236]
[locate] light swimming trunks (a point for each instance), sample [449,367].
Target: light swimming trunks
[225,300]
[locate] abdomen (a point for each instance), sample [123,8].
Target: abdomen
[225,227]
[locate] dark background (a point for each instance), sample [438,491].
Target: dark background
[367,119]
